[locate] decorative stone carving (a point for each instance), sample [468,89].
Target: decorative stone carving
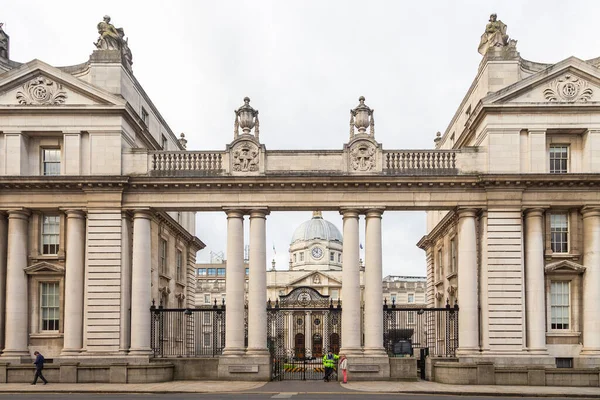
[361,118]
[41,91]
[451,290]
[4,42]
[494,35]
[317,279]
[362,156]
[245,157]
[439,295]
[246,117]
[112,38]
[568,88]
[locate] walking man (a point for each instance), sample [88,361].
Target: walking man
[39,365]
[329,362]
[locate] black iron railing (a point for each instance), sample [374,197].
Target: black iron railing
[407,330]
[195,332]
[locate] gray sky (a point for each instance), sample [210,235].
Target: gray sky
[304,64]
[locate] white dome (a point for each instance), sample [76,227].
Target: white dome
[317,228]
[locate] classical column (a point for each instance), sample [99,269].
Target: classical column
[483,284]
[16,338]
[373,288]
[234,285]
[3,249]
[125,309]
[591,281]
[468,324]
[257,284]
[141,281]
[350,285]
[74,277]
[535,302]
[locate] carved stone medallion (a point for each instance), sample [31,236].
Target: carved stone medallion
[568,88]
[362,157]
[41,91]
[245,157]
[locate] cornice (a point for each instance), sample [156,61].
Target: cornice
[165,218]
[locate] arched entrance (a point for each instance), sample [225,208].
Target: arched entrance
[301,327]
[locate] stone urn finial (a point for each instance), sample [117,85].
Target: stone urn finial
[361,118]
[246,118]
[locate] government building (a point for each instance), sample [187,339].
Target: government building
[98,268]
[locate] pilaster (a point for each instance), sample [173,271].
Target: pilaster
[591,281]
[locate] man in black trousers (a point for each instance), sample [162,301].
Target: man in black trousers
[39,365]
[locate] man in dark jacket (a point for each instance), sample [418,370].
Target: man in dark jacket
[39,365]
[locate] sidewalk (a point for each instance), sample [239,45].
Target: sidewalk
[421,387]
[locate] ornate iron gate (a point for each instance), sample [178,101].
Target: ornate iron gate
[301,327]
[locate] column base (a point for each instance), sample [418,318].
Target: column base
[233,351]
[258,352]
[140,352]
[538,351]
[246,368]
[351,351]
[467,351]
[70,352]
[592,352]
[374,352]
[16,354]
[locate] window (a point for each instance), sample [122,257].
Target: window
[201,271]
[206,318]
[162,256]
[411,298]
[145,117]
[221,271]
[294,257]
[564,363]
[179,302]
[49,306]
[335,294]
[50,234]
[179,264]
[207,299]
[453,256]
[212,272]
[301,256]
[339,257]
[331,256]
[393,298]
[163,142]
[206,337]
[51,161]
[440,267]
[559,233]
[559,159]
[410,317]
[559,305]
[247,271]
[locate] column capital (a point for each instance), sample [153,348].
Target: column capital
[467,212]
[19,214]
[259,212]
[374,212]
[234,212]
[534,212]
[590,211]
[350,212]
[142,213]
[75,214]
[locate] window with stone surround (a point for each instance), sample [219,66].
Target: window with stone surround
[207,299]
[179,265]
[50,162]
[453,256]
[411,298]
[410,318]
[50,235]
[331,256]
[162,256]
[439,267]
[559,232]
[560,312]
[301,256]
[559,159]
[220,271]
[145,117]
[49,306]
[335,294]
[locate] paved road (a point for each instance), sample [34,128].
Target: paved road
[254,396]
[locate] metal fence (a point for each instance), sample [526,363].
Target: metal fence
[196,332]
[408,330]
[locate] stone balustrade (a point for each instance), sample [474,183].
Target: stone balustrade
[174,163]
[420,162]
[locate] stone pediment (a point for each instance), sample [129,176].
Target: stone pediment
[564,266]
[571,81]
[315,278]
[39,84]
[46,268]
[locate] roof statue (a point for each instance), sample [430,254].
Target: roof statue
[494,35]
[3,43]
[112,38]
